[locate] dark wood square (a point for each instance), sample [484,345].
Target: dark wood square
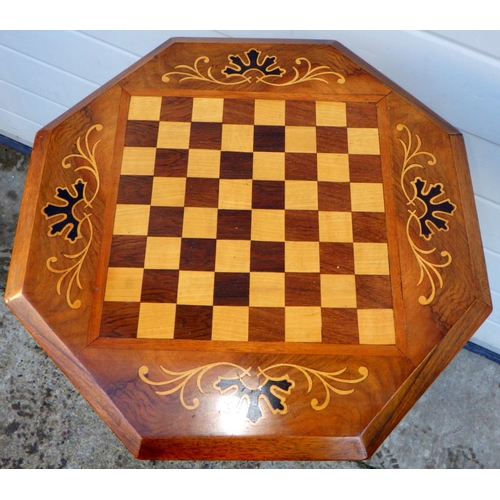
[201,192]
[331,139]
[176,109]
[268,194]
[193,322]
[267,256]
[300,113]
[365,168]
[120,319]
[301,225]
[302,289]
[135,189]
[127,250]
[239,111]
[369,227]
[269,138]
[301,166]
[231,289]
[339,326]
[362,114]
[373,292]
[160,285]
[336,258]
[197,254]
[234,224]
[266,324]
[141,133]
[236,165]
[171,162]
[205,135]
[166,221]
[334,196]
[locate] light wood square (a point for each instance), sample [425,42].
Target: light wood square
[363,141]
[376,326]
[162,252]
[232,256]
[367,197]
[268,166]
[156,321]
[230,323]
[131,219]
[144,108]
[331,114]
[203,163]
[300,139]
[268,225]
[335,227]
[196,288]
[267,289]
[338,290]
[124,284]
[168,191]
[237,137]
[333,167]
[207,109]
[235,194]
[301,195]
[302,256]
[174,135]
[199,222]
[371,258]
[269,112]
[138,161]
[303,324]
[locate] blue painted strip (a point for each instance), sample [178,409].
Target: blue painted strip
[476,349]
[11,143]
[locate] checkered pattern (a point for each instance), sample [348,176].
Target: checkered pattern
[250,220]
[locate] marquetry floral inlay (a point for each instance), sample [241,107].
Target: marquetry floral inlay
[70,215]
[275,385]
[428,213]
[254,66]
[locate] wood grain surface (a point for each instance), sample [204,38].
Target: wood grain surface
[249,250]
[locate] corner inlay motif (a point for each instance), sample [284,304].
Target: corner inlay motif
[70,217]
[276,385]
[428,212]
[254,66]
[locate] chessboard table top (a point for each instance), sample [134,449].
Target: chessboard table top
[250,249]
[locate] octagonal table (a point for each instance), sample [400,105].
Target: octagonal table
[248,249]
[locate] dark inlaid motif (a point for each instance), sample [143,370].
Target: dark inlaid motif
[429,220]
[253,66]
[239,66]
[74,226]
[273,392]
[432,218]
[67,221]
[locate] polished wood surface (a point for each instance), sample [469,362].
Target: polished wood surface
[249,250]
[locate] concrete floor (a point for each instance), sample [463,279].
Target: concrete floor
[45,423]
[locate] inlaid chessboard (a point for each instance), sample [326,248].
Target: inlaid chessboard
[249,250]
[250,220]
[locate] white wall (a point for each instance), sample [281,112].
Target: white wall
[455,73]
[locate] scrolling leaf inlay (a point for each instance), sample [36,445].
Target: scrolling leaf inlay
[431,219]
[272,391]
[254,67]
[68,222]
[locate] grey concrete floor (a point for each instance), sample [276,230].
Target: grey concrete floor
[45,423]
